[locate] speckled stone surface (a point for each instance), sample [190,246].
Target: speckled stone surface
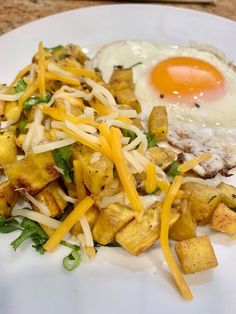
[14,13]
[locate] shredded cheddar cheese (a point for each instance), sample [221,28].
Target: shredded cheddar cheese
[80,188]
[151,179]
[54,76]
[78,71]
[68,223]
[41,70]
[106,149]
[125,176]
[164,236]
[194,162]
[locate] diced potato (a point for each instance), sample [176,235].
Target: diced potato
[161,156]
[7,148]
[158,123]
[122,75]
[7,198]
[71,189]
[224,219]
[51,198]
[33,172]
[91,216]
[110,221]
[96,175]
[2,108]
[228,194]
[196,254]
[202,201]
[126,97]
[184,228]
[138,237]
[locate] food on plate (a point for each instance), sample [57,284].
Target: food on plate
[113,151]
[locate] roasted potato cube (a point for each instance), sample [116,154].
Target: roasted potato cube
[50,196]
[126,97]
[158,123]
[91,216]
[122,75]
[96,175]
[161,156]
[228,194]
[196,254]
[184,228]
[7,198]
[110,221]
[137,237]
[7,148]
[33,172]
[224,219]
[202,201]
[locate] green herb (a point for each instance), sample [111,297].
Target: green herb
[130,134]
[134,65]
[8,225]
[62,56]
[35,100]
[21,125]
[112,244]
[56,48]
[151,139]
[173,169]
[62,160]
[155,191]
[72,261]
[20,86]
[31,230]
[70,245]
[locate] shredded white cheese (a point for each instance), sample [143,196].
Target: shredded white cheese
[52,145]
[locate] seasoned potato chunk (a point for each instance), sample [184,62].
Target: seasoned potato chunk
[161,156]
[98,174]
[126,97]
[184,228]
[33,172]
[109,221]
[228,194]
[196,254]
[50,196]
[158,123]
[203,200]
[7,148]
[138,237]
[121,76]
[224,219]
[7,198]
[91,216]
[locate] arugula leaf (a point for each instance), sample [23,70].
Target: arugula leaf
[31,230]
[62,160]
[8,225]
[72,261]
[130,134]
[20,86]
[56,48]
[151,139]
[35,100]
[173,169]
[21,125]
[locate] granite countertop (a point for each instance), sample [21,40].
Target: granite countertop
[14,13]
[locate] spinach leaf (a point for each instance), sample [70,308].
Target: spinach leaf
[35,100]
[62,160]
[20,86]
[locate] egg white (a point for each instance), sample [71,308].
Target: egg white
[221,112]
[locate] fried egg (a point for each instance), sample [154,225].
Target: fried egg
[198,89]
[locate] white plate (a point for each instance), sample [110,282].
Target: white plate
[115,282]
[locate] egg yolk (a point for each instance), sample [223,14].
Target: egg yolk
[190,79]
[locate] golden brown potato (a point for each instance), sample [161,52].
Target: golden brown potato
[98,174]
[224,219]
[228,194]
[184,228]
[202,201]
[91,216]
[7,198]
[7,148]
[161,156]
[196,254]
[33,172]
[121,76]
[110,221]
[50,196]
[137,237]
[126,97]
[158,123]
